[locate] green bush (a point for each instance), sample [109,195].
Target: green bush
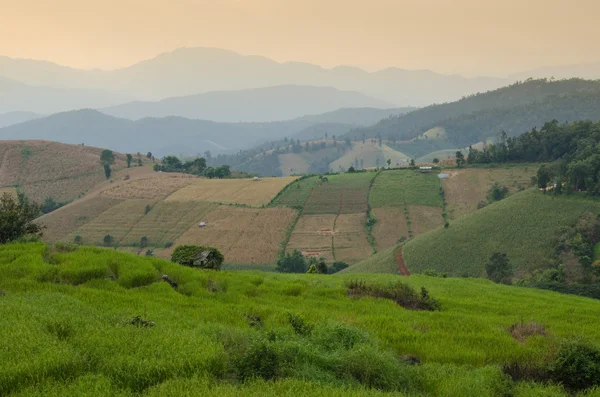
[260,360]
[576,365]
[189,255]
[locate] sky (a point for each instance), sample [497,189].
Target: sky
[469,37]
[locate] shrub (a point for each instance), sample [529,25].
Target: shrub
[576,365]
[143,242]
[198,256]
[434,273]
[498,192]
[401,293]
[499,269]
[338,266]
[168,244]
[260,360]
[292,263]
[300,326]
[78,240]
[108,240]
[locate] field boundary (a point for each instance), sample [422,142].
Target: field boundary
[334,223]
[371,219]
[288,234]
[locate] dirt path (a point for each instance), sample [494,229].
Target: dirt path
[400,263]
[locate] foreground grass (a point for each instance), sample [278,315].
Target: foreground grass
[523,226]
[66,330]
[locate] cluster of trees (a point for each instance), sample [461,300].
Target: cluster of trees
[197,166]
[572,149]
[17,218]
[295,262]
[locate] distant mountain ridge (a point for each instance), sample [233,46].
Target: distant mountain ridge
[191,71]
[174,135]
[252,105]
[12,118]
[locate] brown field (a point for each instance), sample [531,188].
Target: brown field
[239,191]
[244,235]
[59,224]
[156,187]
[117,221]
[52,169]
[467,187]
[424,218]
[167,221]
[313,236]
[349,239]
[390,226]
[292,163]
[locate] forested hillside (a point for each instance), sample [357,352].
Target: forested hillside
[515,109]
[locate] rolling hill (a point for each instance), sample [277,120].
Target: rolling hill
[255,105]
[516,109]
[16,96]
[190,71]
[89,321]
[43,169]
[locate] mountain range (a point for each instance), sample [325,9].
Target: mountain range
[191,71]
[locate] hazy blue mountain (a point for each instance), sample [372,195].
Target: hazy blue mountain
[162,136]
[16,96]
[589,71]
[190,71]
[11,118]
[254,105]
[356,116]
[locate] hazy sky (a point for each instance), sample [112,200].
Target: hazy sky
[450,36]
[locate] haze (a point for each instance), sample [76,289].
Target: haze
[469,37]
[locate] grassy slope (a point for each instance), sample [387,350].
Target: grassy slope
[394,188]
[381,262]
[72,337]
[521,226]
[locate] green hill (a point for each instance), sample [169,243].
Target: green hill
[525,226]
[95,322]
[515,109]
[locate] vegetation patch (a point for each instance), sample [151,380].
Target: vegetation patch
[395,187]
[402,294]
[521,331]
[340,194]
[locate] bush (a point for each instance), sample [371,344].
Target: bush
[499,269]
[338,267]
[434,273]
[498,192]
[300,326]
[108,240]
[144,242]
[401,293]
[260,360]
[292,263]
[576,365]
[168,244]
[198,256]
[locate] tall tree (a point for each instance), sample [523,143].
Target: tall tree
[107,158]
[129,158]
[17,218]
[460,159]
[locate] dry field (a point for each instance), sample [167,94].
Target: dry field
[424,218]
[244,235]
[371,154]
[43,168]
[349,239]
[313,236]
[292,163]
[116,221]
[239,191]
[158,186]
[167,221]
[467,187]
[59,224]
[390,226]
[10,190]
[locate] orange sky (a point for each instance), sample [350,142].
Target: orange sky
[450,36]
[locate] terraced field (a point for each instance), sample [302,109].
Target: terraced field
[239,191]
[397,187]
[313,236]
[152,188]
[350,243]
[372,156]
[244,235]
[167,221]
[344,193]
[390,227]
[465,188]
[297,193]
[117,221]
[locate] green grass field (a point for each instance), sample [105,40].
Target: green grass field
[395,187]
[297,193]
[343,193]
[521,225]
[96,322]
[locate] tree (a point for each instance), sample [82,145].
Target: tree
[222,172]
[49,205]
[198,256]
[108,240]
[107,158]
[209,172]
[460,159]
[291,263]
[412,163]
[544,176]
[77,240]
[144,242]
[149,155]
[499,269]
[147,209]
[498,192]
[389,163]
[129,158]
[338,266]
[322,267]
[312,269]
[351,169]
[436,160]
[17,218]
[107,171]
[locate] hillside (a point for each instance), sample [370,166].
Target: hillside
[525,226]
[43,169]
[16,96]
[91,321]
[516,109]
[255,105]
[190,71]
